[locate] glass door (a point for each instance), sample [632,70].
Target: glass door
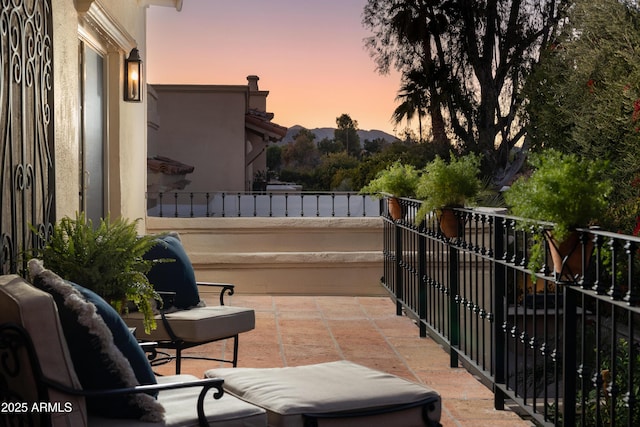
[93,128]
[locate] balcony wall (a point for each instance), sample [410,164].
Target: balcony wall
[284,256]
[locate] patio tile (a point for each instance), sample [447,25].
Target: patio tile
[294,330]
[491,423]
[300,315]
[336,308]
[477,410]
[352,327]
[308,336]
[295,303]
[296,355]
[421,358]
[300,324]
[397,326]
[257,302]
[357,352]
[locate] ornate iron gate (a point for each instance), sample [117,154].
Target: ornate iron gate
[26,123]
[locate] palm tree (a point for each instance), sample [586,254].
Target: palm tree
[414,22]
[413,100]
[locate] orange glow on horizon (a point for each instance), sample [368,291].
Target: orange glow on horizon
[310,56]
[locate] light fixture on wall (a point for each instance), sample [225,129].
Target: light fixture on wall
[133,77]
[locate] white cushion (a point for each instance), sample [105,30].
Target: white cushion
[199,324]
[334,387]
[35,310]
[181,410]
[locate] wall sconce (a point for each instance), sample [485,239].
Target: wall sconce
[133,77]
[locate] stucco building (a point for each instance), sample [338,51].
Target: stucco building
[220,130]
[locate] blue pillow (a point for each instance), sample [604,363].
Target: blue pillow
[176,276]
[105,354]
[122,336]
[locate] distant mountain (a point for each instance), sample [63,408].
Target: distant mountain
[322,133]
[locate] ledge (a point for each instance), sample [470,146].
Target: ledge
[229,224]
[279,259]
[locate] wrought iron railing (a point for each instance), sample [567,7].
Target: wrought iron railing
[261,204]
[564,345]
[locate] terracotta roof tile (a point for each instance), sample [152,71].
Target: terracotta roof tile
[260,121]
[168,166]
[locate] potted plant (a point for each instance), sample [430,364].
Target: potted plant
[446,185]
[397,180]
[108,259]
[564,189]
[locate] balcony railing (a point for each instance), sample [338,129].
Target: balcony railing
[267,204]
[565,346]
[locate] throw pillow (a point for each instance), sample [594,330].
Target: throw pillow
[176,276]
[100,354]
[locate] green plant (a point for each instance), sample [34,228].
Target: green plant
[448,184]
[108,259]
[398,179]
[564,189]
[609,409]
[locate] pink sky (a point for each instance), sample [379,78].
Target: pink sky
[309,54]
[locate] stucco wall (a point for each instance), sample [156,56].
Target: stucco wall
[203,126]
[127,121]
[286,256]
[66,106]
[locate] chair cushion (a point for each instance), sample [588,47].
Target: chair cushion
[35,310]
[122,336]
[177,276]
[199,324]
[335,387]
[180,404]
[98,361]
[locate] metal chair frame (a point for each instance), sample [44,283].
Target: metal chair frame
[15,340]
[178,344]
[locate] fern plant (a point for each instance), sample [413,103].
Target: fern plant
[446,185]
[108,259]
[398,180]
[564,189]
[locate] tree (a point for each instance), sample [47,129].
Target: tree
[475,56]
[302,152]
[274,158]
[413,97]
[374,146]
[328,146]
[347,134]
[334,171]
[584,97]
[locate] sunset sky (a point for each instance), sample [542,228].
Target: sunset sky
[309,54]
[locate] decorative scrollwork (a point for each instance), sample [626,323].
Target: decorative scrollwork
[17,357]
[26,126]
[10,344]
[8,253]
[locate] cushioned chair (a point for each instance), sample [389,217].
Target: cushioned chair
[69,360]
[184,321]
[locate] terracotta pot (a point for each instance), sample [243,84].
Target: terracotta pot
[567,256]
[395,209]
[450,224]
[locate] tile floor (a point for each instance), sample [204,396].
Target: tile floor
[296,330]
